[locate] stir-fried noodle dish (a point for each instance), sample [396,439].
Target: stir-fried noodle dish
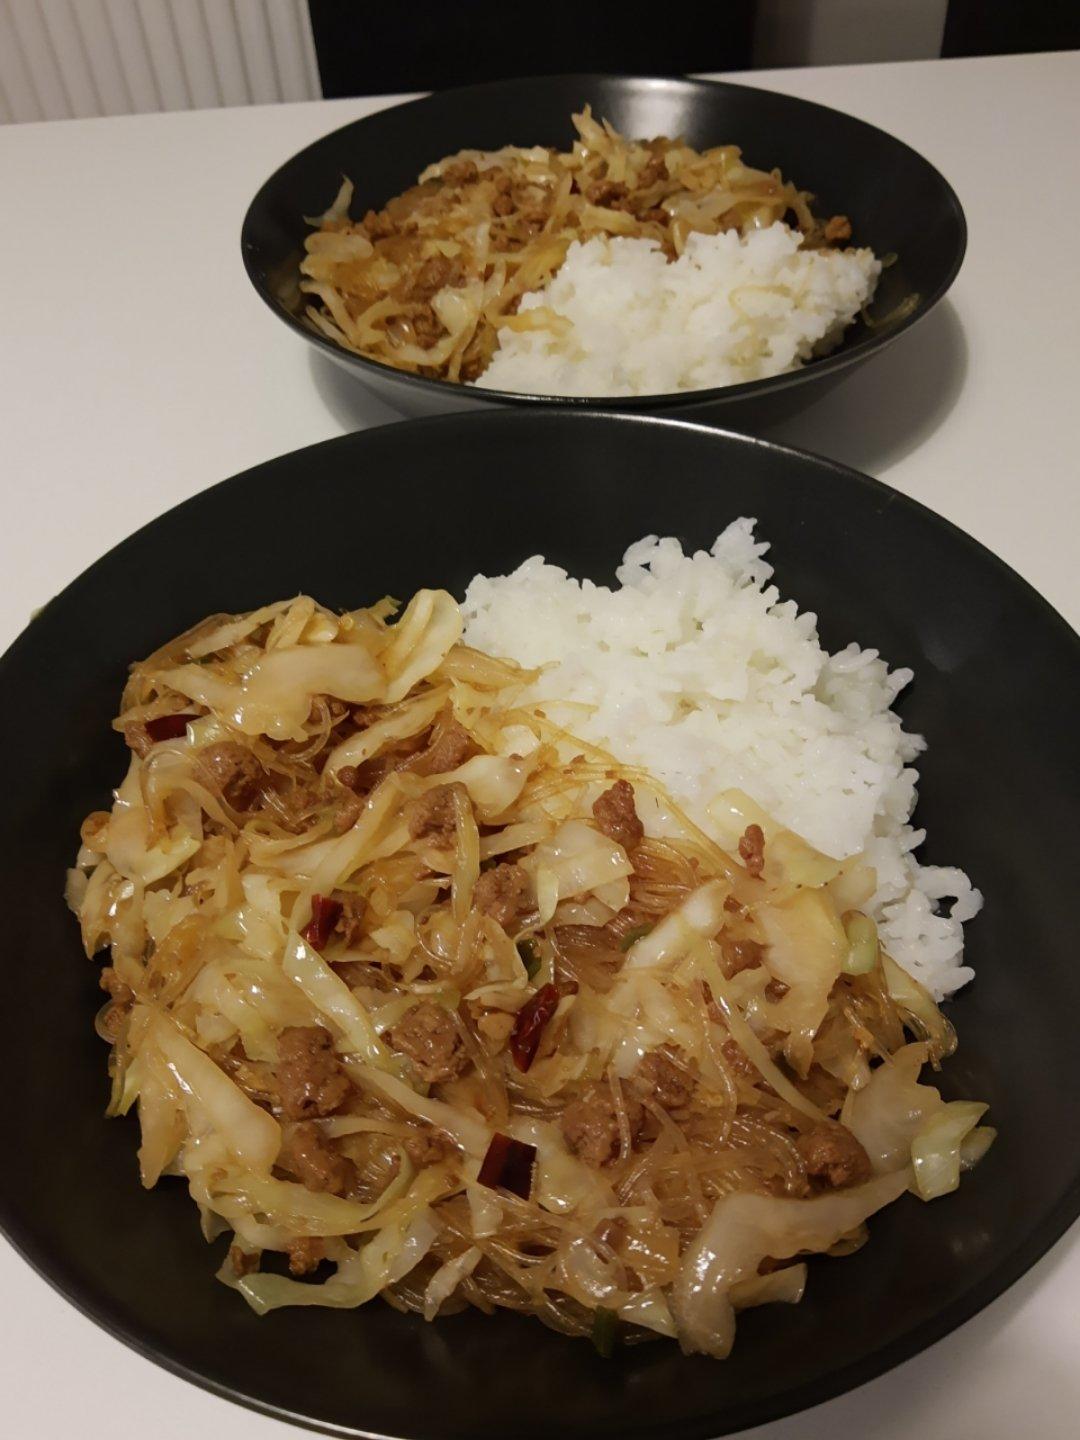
[424,996]
[509,267]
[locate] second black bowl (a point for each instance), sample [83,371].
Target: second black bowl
[899,204]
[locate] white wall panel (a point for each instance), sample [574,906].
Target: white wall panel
[103,56]
[65,58]
[133,55]
[17,90]
[34,47]
[225,41]
[65,38]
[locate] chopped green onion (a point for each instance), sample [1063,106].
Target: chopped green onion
[603,1331]
[531,956]
[633,936]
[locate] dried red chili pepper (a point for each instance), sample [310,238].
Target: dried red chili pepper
[168,727]
[325,914]
[529,1025]
[508,1165]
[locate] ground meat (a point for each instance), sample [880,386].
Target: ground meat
[348,812]
[656,1078]
[752,850]
[111,983]
[612,1233]
[657,214]
[242,1262]
[428,1147]
[776,990]
[431,816]
[654,171]
[473,368]
[309,1156]
[449,746]
[831,1152]
[503,204]
[110,1023]
[428,1036]
[434,275]
[837,229]
[233,772]
[362,779]
[351,923]
[502,892]
[616,816]
[378,225]
[739,955]
[138,739]
[305,1254]
[363,716]
[824,1090]
[606,192]
[311,1081]
[590,1127]
[427,327]
[461,172]
[737,1060]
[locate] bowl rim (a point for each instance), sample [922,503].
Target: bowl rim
[864,347]
[97,1305]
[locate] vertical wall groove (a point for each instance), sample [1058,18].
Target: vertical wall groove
[133,54]
[71,58]
[102,55]
[37,53]
[205,43]
[72,20]
[16,76]
[234,29]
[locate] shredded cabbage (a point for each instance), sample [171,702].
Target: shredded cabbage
[390,998]
[741,1231]
[428,283]
[937,1149]
[891,1109]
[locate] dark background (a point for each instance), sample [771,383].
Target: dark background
[1005,27]
[365,49]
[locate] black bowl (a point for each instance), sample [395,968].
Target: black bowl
[898,202]
[997,690]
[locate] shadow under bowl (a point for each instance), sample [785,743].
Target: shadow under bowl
[898,202]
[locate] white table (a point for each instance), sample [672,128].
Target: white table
[138,367]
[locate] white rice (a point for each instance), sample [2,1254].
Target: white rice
[696,670]
[730,308]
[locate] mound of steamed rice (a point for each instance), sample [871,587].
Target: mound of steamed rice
[697,670]
[731,308]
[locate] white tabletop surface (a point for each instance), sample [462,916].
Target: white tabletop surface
[137,367]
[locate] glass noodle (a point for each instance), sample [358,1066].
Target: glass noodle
[418,996]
